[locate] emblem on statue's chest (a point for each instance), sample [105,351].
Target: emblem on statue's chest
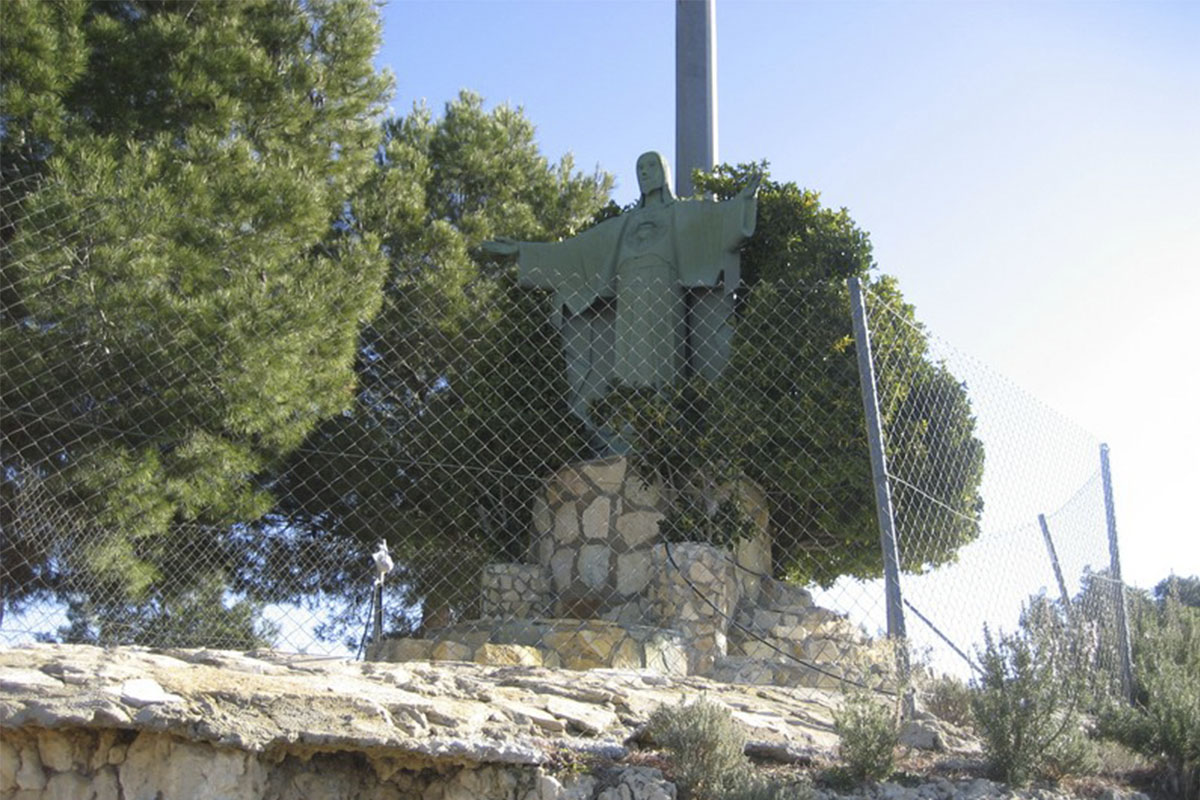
[645,230]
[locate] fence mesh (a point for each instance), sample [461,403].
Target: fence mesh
[714,515]
[1035,463]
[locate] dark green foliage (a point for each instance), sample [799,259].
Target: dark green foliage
[869,736]
[1185,591]
[1164,722]
[787,411]
[200,616]
[1027,702]
[461,410]
[183,290]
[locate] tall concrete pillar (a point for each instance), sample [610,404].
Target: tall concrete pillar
[695,90]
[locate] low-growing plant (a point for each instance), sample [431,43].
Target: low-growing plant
[1117,759]
[1025,706]
[705,746]
[869,736]
[949,699]
[706,749]
[1164,722]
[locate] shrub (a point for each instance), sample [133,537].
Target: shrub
[949,699]
[705,746]
[869,736]
[1026,707]
[1164,722]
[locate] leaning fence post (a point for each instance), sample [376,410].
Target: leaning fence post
[1114,560]
[1062,584]
[883,495]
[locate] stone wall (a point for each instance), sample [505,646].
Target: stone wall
[567,643]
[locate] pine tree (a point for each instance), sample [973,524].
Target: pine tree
[462,409]
[183,288]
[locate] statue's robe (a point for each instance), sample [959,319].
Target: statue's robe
[621,293]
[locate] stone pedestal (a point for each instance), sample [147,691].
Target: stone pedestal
[595,529]
[602,589]
[593,532]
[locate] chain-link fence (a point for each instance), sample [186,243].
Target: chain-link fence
[663,477]
[1040,525]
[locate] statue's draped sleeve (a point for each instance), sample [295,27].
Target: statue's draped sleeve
[578,270]
[707,237]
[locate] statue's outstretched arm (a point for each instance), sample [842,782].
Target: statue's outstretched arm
[502,246]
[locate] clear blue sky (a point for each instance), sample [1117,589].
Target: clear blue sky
[1029,171]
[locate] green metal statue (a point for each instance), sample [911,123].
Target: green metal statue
[646,297]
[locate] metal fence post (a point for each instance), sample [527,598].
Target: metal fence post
[883,495]
[377,617]
[1114,557]
[1058,575]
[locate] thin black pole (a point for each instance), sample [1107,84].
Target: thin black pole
[377,626]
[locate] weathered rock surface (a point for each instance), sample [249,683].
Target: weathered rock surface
[85,722]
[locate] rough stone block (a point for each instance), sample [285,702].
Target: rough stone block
[754,648]
[562,564]
[30,775]
[790,630]
[593,565]
[566,523]
[818,649]
[399,650]
[607,475]
[105,785]
[596,519]
[779,595]
[569,484]
[638,528]
[67,786]
[632,612]
[633,572]
[451,651]
[10,762]
[701,575]
[765,620]
[508,655]
[60,752]
[642,494]
[543,520]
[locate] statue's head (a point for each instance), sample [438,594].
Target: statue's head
[653,173]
